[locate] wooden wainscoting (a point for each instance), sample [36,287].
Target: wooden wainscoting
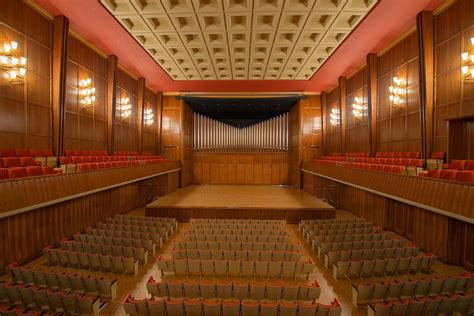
[447,237]
[241,168]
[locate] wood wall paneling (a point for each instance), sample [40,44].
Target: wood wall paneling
[140,112]
[398,127]
[151,133]
[343,111]
[332,137]
[85,126]
[312,128]
[295,145]
[186,154]
[241,168]
[126,128]
[112,69]
[454,98]
[372,93]
[25,108]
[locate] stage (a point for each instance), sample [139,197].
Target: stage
[240,201]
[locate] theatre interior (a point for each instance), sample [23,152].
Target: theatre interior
[237,157]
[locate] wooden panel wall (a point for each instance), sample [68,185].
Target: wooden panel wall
[333,132]
[398,128]
[126,128]
[454,97]
[85,127]
[25,108]
[187,145]
[23,236]
[311,120]
[241,168]
[295,145]
[151,133]
[357,129]
[447,238]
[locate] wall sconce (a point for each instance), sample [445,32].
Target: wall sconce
[148,117]
[125,107]
[467,67]
[334,117]
[397,91]
[358,107]
[87,92]
[12,63]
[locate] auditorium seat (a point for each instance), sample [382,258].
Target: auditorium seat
[432,173]
[465,176]
[16,172]
[7,153]
[3,173]
[33,171]
[457,164]
[448,174]
[9,162]
[469,165]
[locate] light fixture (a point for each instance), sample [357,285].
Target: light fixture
[334,116]
[12,63]
[397,91]
[358,107]
[467,58]
[148,117]
[125,107]
[87,92]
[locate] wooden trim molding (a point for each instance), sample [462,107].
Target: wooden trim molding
[343,111]
[424,21]
[140,112]
[112,71]
[447,198]
[372,81]
[60,34]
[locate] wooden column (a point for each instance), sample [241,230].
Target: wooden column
[60,33]
[324,128]
[140,113]
[159,115]
[424,23]
[372,82]
[112,70]
[343,112]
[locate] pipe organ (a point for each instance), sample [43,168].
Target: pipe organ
[269,136]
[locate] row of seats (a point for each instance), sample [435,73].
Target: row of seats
[46,300]
[310,234]
[9,162]
[30,171]
[230,231]
[318,240]
[25,152]
[162,231]
[452,175]
[148,221]
[85,159]
[231,221]
[459,164]
[331,224]
[218,254]
[114,164]
[367,166]
[69,152]
[236,268]
[91,261]
[236,245]
[455,304]
[391,266]
[405,289]
[112,233]
[241,238]
[105,288]
[369,254]
[383,154]
[148,244]
[237,226]
[139,254]
[325,248]
[197,306]
[237,290]
[141,219]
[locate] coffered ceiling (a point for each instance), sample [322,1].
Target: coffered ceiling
[239,39]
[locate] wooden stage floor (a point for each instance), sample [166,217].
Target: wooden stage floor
[240,201]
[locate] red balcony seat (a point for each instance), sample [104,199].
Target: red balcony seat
[414,154]
[448,174]
[416,163]
[65,160]
[398,169]
[48,170]
[9,162]
[115,164]
[3,173]
[398,162]
[37,153]
[390,154]
[389,161]
[85,159]
[108,164]
[373,167]
[16,172]
[433,173]
[465,176]
[100,165]
[92,166]
[27,161]
[70,153]
[469,165]
[83,166]
[92,159]
[437,155]
[85,152]
[457,164]
[397,154]
[387,168]
[33,171]
[7,153]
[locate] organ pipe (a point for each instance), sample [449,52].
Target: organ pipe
[213,135]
